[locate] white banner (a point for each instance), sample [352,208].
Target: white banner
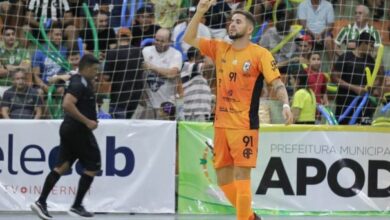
[334,169]
[138,166]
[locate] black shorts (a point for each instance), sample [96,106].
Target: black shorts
[78,143]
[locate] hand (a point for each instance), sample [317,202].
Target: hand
[91,124]
[204,5]
[288,116]
[318,37]
[146,65]
[359,90]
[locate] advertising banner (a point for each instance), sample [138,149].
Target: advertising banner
[138,166]
[300,170]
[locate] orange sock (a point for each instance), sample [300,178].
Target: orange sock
[244,200]
[230,192]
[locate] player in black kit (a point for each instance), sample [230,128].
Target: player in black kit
[76,138]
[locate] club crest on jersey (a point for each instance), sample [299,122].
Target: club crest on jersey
[246,66]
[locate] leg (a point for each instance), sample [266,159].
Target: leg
[77,209]
[243,148]
[244,194]
[51,180]
[223,164]
[89,157]
[40,206]
[225,179]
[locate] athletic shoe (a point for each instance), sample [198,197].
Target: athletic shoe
[256,217]
[41,210]
[80,212]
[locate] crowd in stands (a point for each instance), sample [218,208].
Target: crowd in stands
[148,72]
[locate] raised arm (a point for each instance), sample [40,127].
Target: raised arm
[190,36]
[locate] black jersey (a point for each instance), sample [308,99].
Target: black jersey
[82,89]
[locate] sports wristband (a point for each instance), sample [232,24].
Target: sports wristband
[286,106]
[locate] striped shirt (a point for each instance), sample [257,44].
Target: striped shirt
[54,9]
[351,33]
[197,93]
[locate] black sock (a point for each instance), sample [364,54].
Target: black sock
[84,184]
[50,182]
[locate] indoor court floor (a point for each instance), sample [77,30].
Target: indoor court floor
[64,216]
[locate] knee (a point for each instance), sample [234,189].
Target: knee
[61,170]
[91,173]
[241,173]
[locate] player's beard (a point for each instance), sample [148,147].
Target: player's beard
[236,36]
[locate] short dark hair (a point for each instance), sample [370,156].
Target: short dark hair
[87,60]
[145,9]
[17,70]
[6,28]
[56,25]
[74,50]
[249,16]
[192,53]
[365,37]
[315,52]
[301,77]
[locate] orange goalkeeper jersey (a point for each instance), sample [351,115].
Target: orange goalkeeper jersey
[239,75]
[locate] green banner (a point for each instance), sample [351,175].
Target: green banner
[198,192]
[198,189]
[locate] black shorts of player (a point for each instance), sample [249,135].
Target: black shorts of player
[78,143]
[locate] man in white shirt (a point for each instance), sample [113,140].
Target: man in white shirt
[317,19]
[162,65]
[349,34]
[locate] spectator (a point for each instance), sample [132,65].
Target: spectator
[377,6]
[162,65]
[144,26]
[350,76]
[317,19]
[316,79]
[203,31]
[21,101]
[12,56]
[167,111]
[304,101]
[274,35]
[15,15]
[56,12]
[262,10]
[216,18]
[197,93]
[44,67]
[61,78]
[297,62]
[123,67]
[167,12]
[350,33]
[106,35]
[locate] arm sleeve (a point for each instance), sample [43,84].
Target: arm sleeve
[301,12]
[208,47]
[377,36]
[330,16]
[6,102]
[75,88]
[177,60]
[341,36]
[37,59]
[299,99]
[268,67]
